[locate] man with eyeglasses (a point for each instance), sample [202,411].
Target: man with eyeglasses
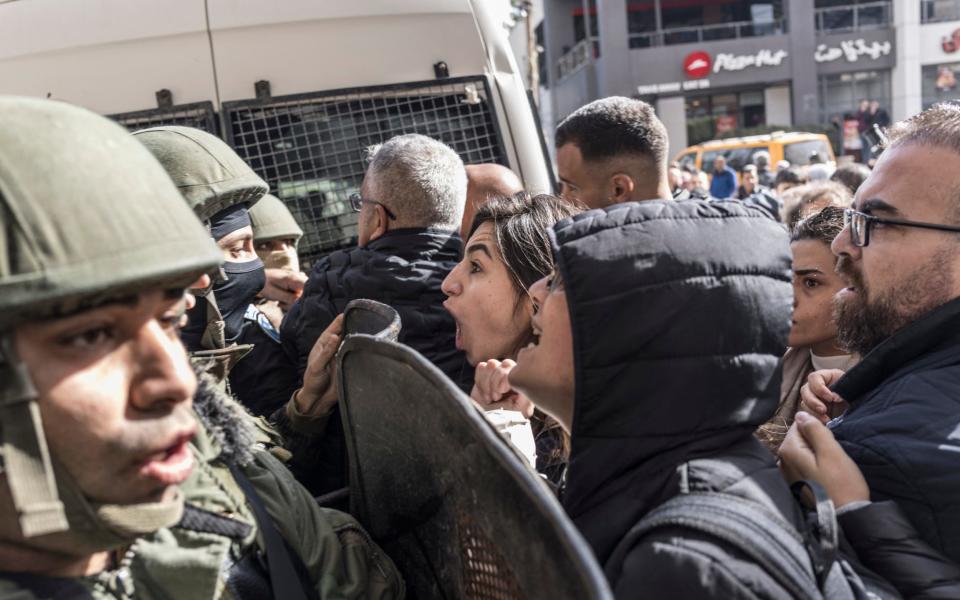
[410,208]
[899,253]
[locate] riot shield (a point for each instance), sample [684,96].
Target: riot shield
[455,507]
[372,318]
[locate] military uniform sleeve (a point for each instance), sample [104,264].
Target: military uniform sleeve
[340,557]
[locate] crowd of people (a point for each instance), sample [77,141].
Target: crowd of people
[737,385]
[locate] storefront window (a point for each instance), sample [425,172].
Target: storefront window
[716,115]
[683,13]
[940,83]
[852,15]
[694,21]
[579,31]
[840,94]
[939,11]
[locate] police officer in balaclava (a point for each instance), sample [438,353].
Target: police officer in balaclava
[224,327]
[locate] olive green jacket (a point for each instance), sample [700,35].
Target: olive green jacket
[182,563]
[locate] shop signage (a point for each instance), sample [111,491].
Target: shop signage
[697,65]
[673,87]
[852,50]
[739,62]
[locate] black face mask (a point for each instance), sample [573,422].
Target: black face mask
[244,282]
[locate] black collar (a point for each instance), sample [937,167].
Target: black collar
[934,331]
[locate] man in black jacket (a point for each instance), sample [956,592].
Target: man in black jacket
[658,342]
[411,205]
[899,254]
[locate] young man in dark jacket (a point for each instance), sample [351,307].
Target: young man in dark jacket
[411,205]
[660,396]
[901,312]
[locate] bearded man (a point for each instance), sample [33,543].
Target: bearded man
[899,253]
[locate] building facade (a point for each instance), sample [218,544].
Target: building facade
[715,67]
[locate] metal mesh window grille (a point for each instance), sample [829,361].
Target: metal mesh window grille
[311,148]
[197,114]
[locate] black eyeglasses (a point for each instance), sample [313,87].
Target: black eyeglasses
[356,203]
[860,224]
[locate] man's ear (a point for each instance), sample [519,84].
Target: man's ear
[621,187]
[378,222]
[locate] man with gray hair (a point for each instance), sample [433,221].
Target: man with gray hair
[411,205]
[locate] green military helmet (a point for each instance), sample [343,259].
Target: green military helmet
[74,224]
[272,220]
[86,215]
[207,171]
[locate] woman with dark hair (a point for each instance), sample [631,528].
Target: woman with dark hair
[507,251]
[813,332]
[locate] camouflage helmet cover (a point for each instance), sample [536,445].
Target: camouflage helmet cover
[207,171]
[272,220]
[72,229]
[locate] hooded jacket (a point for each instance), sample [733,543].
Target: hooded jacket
[679,313]
[903,425]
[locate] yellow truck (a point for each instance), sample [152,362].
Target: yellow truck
[794,147]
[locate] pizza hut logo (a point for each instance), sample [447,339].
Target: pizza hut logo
[697,65]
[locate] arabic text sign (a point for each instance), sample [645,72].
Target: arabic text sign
[852,50]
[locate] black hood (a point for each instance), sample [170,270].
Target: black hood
[680,313]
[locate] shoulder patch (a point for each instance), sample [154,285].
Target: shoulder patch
[253,314]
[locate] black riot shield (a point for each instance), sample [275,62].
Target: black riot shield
[455,507]
[372,318]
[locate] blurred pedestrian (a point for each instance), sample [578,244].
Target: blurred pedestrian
[851,175]
[723,183]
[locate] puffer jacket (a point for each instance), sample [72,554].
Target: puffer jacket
[680,312]
[903,425]
[403,268]
[887,543]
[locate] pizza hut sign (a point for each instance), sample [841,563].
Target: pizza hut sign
[739,62]
[699,64]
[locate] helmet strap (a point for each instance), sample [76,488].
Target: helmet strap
[26,458]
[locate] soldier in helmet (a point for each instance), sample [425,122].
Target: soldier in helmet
[224,326]
[275,238]
[112,486]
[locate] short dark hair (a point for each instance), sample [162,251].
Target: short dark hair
[614,126]
[791,175]
[520,224]
[824,193]
[821,226]
[851,175]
